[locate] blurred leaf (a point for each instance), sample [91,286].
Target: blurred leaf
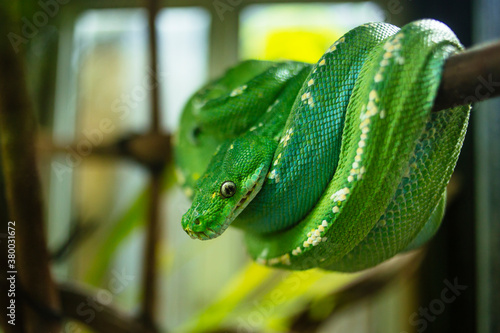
[121,229]
[308,288]
[242,285]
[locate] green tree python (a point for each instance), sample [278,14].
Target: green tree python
[339,164]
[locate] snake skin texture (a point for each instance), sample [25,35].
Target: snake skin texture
[339,164]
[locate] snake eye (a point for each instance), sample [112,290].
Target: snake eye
[228,189]
[195,134]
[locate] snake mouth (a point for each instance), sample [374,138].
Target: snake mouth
[209,233]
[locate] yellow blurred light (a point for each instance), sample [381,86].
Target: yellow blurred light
[298,45]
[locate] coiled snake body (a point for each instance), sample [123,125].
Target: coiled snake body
[339,164]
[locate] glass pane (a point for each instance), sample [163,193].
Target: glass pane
[299,32]
[103,94]
[111,59]
[183,46]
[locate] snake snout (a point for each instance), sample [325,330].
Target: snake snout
[198,230]
[195,228]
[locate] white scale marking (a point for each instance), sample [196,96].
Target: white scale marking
[238,91]
[371,109]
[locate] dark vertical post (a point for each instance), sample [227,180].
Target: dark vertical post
[451,254]
[487,180]
[150,281]
[153,62]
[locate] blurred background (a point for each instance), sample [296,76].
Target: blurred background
[90,80]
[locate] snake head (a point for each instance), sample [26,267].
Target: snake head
[233,178]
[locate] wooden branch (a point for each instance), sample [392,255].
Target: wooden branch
[153,7]
[470,76]
[150,286]
[150,149]
[17,136]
